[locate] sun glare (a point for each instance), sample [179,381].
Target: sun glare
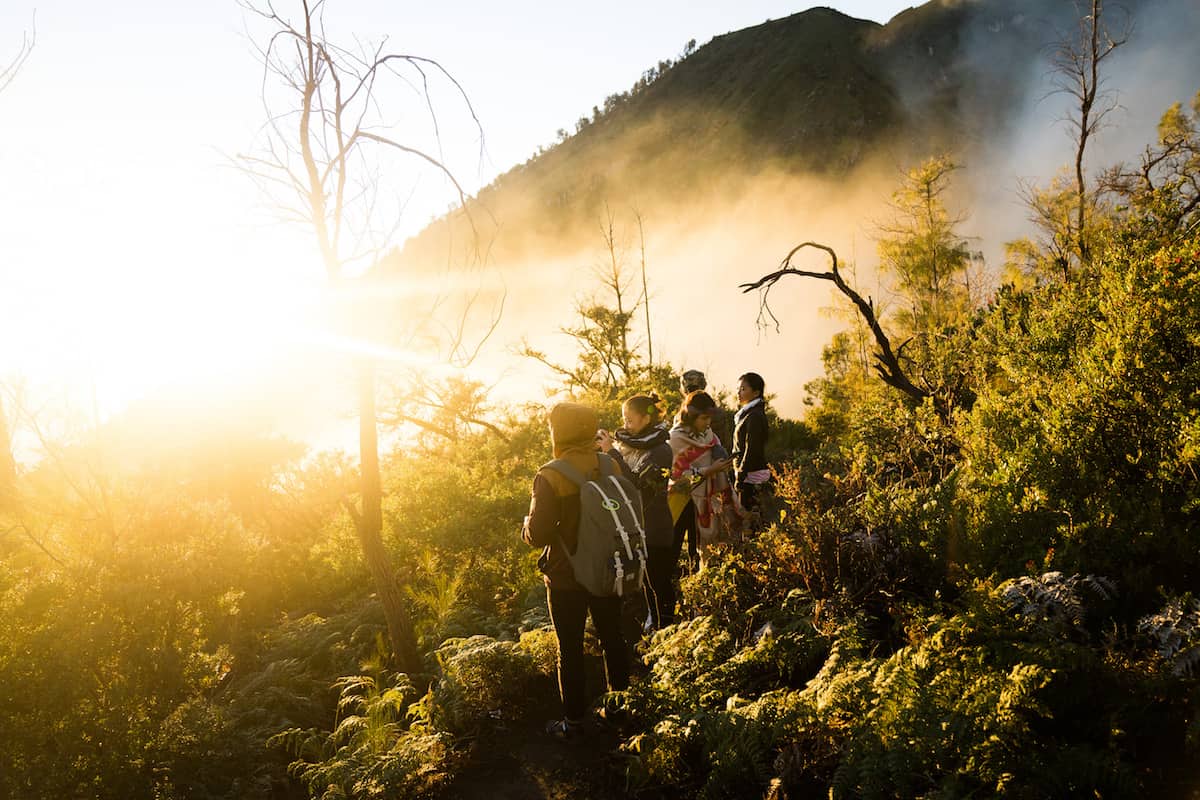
[187,332]
[127,337]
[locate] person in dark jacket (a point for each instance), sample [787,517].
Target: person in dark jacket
[553,524]
[750,434]
[644,449]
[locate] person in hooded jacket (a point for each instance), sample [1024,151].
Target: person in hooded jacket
[553,524]
[645,452]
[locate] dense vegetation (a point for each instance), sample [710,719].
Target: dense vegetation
[987,591]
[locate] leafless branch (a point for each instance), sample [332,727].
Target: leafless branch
[887,362]
[9,72]
[24,529]
[1076,59]
[573,377]
[637,215]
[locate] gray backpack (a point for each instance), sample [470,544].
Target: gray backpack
[610,558]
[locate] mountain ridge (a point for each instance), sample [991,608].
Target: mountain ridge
[816,92]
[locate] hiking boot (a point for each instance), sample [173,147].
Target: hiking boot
[615,716]
[564,729]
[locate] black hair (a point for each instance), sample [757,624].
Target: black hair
[645,404]
[755,382]
[696,404]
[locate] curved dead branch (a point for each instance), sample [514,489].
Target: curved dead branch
[887,361]
[8,72]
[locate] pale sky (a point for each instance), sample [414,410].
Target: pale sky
[132,256]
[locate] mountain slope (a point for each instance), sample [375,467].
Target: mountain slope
[797,129]
[817,92]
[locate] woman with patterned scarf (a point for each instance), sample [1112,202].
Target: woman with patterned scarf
[697,470]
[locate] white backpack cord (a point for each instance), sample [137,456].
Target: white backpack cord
[642,554]
[621,489]
[609,503]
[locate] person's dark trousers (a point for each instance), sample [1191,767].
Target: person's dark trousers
[750,495]
[685,529]
[568,612]
[660,584]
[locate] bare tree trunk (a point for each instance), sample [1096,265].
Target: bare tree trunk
[614,281]
[369,523]
[1077,61]
[1086,100]
[8,72]
[645,290]
[322,176]
[8,464]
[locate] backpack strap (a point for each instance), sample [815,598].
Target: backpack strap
[608,467]
[567,470]
[642,546]
[613,479]
[611,506]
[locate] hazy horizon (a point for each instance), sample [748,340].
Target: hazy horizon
[141,264]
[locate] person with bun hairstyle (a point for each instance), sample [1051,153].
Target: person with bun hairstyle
[721,421]
[750,432]
[553,524]
[699,467]
[643,447]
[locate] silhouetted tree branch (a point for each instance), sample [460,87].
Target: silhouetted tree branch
[8,463]
[441,407]
[637,214]
[887,361]
[1166,185]
[1077,59]
[9,71]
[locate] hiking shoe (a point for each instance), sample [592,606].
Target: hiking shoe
[564,729]
[616,716]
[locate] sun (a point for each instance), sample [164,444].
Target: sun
[122,331]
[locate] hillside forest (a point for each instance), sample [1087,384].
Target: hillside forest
[978,575]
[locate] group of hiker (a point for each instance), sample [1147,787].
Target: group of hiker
[613,511]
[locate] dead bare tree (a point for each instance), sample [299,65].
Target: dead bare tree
[637,214]
[887,361]
[612,275]
[1076,59]
[8,72]
[326,140]
[8,462]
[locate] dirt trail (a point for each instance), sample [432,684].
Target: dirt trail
[517,760]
